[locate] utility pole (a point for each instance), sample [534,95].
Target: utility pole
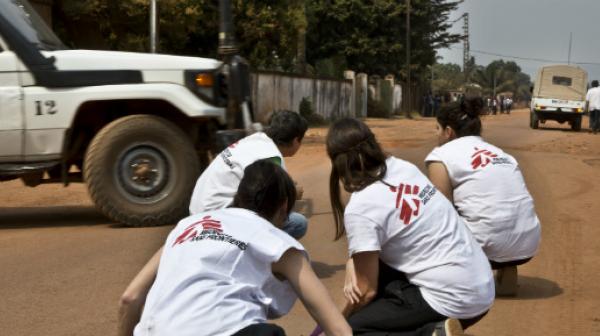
[408,82]
[153,26]
[466,47]
[570,45]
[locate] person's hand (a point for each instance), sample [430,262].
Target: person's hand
[351,290]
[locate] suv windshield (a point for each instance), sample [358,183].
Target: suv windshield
[23,17]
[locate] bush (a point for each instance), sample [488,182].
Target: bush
[307,111]
[376,109]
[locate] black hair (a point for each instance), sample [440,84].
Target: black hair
[264,188]
[594,83]
[357,160]
[285,126]
[462,117]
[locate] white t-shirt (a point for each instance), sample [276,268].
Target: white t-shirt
[593,97]
[218,184]
[490,194]
[417,232]
[215,276]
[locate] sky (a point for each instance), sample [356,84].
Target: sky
[537,29]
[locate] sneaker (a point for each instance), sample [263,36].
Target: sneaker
[506,281]
[449,327]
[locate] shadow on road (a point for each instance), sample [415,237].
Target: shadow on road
[324,270]
[531,288]
[568,130]
[36,217]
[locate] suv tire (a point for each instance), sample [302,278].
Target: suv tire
[141,170]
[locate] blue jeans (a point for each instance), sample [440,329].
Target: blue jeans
[295,225]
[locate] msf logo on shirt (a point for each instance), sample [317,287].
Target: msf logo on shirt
[207,229]
[482,158]
[207,224]
[408,201]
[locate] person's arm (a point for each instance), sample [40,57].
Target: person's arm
[132,300]
[294,266]
[438,175]
[366,275]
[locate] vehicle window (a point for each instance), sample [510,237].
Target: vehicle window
[24,18]
[559,80]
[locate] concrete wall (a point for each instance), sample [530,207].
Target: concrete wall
[273,91]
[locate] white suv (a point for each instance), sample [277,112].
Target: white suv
[135,127]
[559,94]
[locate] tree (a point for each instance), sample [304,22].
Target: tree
[503,76]
[363,35]
[447,77]
[267,31]
[369,35]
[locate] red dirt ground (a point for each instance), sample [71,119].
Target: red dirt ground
[64,265]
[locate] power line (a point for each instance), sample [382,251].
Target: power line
[524,58]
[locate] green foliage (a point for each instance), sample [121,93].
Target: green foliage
[505,76]
[376,109]
[267,31]
[370,35]
[307,111]
[447,77]
[366,36]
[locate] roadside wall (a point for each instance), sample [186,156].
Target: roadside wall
[272,91]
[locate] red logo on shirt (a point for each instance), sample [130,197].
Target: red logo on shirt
[482,158]
[408,201]
[208,225]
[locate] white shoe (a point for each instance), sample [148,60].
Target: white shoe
[506,281]
[449,327]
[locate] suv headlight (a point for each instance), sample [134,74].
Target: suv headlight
[206,85]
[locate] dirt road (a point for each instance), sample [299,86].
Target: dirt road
[63,265]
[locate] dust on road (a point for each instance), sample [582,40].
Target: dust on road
[64,265]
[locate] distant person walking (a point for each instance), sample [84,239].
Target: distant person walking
[593,106]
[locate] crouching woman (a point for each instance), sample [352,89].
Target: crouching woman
[225,272]
[414,267]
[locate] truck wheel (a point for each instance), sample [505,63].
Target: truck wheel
[534,122]
[576,124]
[140,171]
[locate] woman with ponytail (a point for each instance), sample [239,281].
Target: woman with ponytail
[414,268]
[487,188]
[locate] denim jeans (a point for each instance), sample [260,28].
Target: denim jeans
[295,225]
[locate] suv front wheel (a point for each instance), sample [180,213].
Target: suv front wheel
[141,170]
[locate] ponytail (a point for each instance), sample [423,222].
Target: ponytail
[462,117]
[356,161]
